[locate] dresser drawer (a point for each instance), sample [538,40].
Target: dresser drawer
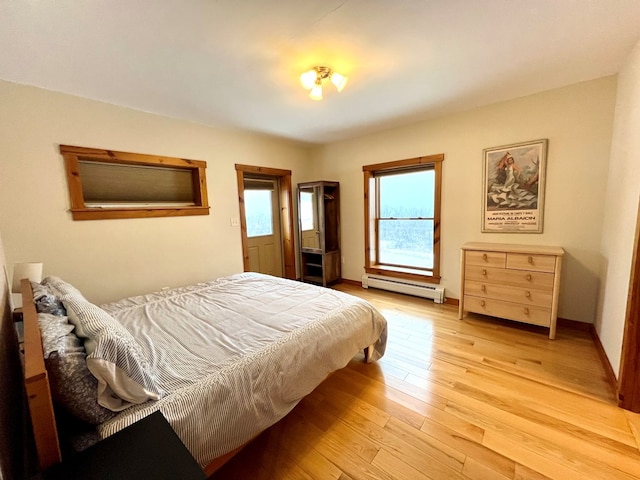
[512,311]
[486,259]
[514,278]
[524,296]
[538,263]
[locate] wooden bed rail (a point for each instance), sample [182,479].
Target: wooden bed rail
[36,381]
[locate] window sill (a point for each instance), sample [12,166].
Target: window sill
[400,272]
[148,212]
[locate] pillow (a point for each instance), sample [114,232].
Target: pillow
[113,357]
[46,301]
[40,290]
[73,387]
[53,330]
[61,289]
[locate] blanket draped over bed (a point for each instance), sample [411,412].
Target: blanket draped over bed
[235,355]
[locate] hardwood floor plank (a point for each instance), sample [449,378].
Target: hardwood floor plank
[634,425]
[542,414]
[475,469]
[469,447]
[403,442]
[559,446]
[399,391]
[399,470]
[336,395]
[567,469]
[415,446]
[457,424]
[524,473]
[471,399]
[346,461]
[384,398]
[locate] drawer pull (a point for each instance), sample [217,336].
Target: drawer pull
[528,294]
[482,303]
[484,272]
[526,311]
[484,257]
[530,260]
[483,288]
[529,277]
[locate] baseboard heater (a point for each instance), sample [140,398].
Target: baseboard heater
[409,287]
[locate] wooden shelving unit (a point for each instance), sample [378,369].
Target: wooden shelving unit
[319,232]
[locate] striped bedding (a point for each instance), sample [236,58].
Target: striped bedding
[235,355]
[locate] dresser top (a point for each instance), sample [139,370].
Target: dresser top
[510,247]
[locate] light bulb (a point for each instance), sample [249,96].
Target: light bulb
[339,80]
[316,91]
[308,79]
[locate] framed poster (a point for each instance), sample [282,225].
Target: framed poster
[513,187]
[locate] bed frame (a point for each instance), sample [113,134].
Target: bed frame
[36,381]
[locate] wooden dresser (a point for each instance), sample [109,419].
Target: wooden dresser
[516,282]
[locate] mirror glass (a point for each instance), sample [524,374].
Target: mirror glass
[308,211]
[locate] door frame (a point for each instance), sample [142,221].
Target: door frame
[629,381]
[283,177]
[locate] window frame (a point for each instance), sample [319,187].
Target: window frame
[81,211]
[372,209]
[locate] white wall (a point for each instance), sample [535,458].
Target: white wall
[621,210]
[109,259]
[577,120]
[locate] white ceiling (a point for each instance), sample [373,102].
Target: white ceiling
[237,62]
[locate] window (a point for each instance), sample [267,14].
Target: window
[258,206]
[402,224]
[107,184]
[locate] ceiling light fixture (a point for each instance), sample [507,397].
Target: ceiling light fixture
[312,81]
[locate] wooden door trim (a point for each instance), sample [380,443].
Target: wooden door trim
[629,377]
[286,214]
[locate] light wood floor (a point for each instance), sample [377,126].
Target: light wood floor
[472,399]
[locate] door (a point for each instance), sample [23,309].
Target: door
[629,381]
[285,215]
[261,206]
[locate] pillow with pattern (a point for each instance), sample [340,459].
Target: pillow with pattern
[46,301]
[60,288]
[124,375]
[73,387]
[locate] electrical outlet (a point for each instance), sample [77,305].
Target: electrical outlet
[235,221]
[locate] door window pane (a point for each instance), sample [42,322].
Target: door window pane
[258,212]
[406,243]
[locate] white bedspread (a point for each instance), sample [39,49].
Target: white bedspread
[235,355]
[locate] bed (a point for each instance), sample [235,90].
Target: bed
[222,360]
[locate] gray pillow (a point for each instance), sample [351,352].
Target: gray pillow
[46,301]
[53,330]
[73,387]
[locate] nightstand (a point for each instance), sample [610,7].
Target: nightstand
[147,450]
[18,324]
